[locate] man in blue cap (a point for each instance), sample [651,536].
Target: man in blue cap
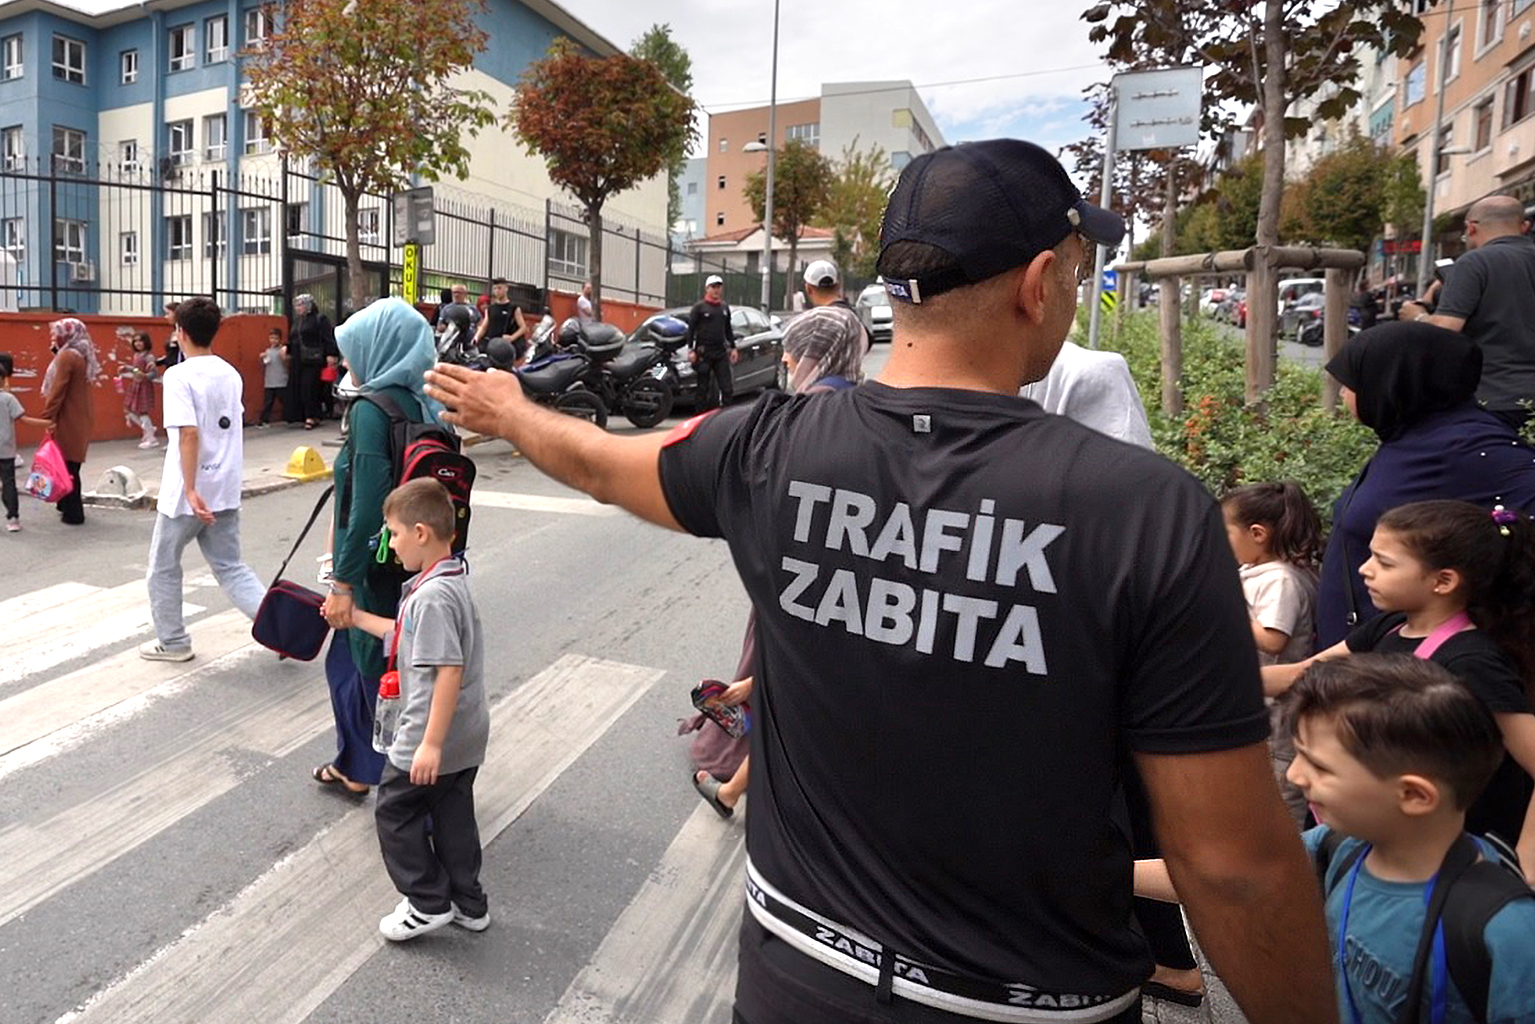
[971,616]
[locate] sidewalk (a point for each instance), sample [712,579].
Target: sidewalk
[266,456]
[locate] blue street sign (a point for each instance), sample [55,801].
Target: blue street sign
[1110,280]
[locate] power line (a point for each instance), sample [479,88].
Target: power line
[715,107]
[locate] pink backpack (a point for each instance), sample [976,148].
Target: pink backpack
[49,479]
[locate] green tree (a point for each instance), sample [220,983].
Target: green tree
[659,48]
[602,125]
[855,205]
[1345,194]
[1403,197]
[362,88]
[802,180]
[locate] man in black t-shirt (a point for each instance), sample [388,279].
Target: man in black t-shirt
[503,319]
[1489,295]
[711,342]
[972,616]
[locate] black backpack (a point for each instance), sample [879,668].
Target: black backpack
[420,450]
[1473,890]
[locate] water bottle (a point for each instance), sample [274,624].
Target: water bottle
[386,713]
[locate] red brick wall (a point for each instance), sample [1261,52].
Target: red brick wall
[241,340]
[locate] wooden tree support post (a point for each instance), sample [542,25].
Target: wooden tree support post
[1334,329]
[1262,311]
[1172,347]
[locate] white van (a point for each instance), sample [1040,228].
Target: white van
[1290,291]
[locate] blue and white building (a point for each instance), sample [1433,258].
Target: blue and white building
[148,97]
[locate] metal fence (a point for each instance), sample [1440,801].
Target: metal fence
[128,238]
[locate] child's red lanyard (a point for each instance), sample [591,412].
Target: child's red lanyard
[399,615]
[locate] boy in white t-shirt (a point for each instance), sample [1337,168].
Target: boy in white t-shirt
[200,485]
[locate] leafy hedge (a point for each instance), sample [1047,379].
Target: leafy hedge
[1222,441]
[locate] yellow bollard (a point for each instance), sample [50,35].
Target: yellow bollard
[306,464]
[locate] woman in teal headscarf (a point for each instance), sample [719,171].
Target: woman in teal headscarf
[388,347]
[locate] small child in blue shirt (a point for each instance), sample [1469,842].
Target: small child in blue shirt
[1390,751]
[10,413]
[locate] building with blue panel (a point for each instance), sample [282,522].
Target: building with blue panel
[131,172]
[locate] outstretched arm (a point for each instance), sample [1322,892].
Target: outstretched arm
[1234,858]
[623,471]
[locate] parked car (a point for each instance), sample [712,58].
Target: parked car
[1226,309]
[874,310]
[1291,291]
[1211,299]
[758,339]
[1301,313]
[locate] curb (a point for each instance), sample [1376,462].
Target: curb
[251,489]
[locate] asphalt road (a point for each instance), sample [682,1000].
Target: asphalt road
[166,858]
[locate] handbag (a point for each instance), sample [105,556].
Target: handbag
[289,620]
[49,479]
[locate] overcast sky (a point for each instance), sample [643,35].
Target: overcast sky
[1034,54]
[1041,44]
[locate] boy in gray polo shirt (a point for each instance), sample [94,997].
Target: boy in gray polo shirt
[440,741]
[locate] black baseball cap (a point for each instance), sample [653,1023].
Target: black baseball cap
[987,207]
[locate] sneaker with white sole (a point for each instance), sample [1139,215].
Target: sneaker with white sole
[406,922]
[473,924]
[151,650]
[12,525]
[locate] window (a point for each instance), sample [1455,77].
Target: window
[1519,6]
[724,145]
[15,157]
[69,241]
[13,238]
[567,254]
[69,59]
[10,58]
[178,141]
[1481,116]
[216,35]
[128,62]
[258,25]
[1441,159]
[296,217]
[68,150]
[215,136]
[367,226]
[719,220]
[1489,25]
[182,48]
[256,227]
[128,248]
[809,134]
[256,140]
[899,159]
[1516,98]
[214,236]
[1453,67]
[722,181]
[692,188]
[178,237]
[128,156]
[1416,77]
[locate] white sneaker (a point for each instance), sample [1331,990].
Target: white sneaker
[406,922]
[149,442]
[474,924]
[151,650]
[13,526]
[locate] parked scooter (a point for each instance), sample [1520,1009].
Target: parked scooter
[637,380]
[555,380]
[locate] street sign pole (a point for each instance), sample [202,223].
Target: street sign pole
[1105,197]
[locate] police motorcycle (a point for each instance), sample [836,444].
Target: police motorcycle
[455,335]
[640,381]
[556,380]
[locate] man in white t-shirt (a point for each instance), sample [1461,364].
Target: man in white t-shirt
[585,313]
[200,485]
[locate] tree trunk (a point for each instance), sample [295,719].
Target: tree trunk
[351,201]
[594,261]
[1264,291]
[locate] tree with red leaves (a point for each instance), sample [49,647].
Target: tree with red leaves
[603,125]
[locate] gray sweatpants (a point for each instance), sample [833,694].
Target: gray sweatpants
[220,544]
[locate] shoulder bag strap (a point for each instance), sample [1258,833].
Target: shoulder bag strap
[1461,855]
[1457,623]
[1348,563]
[324,497]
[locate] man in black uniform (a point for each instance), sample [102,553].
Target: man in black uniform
[711,341]
[972,616]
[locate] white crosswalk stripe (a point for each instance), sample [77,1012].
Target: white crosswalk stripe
[297,931]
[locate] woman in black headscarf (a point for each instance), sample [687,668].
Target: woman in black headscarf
[311,343]
[1414,384]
